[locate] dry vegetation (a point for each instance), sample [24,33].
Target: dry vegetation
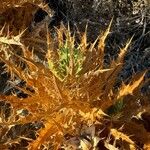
[62,94]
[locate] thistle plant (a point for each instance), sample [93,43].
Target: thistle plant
[72,90]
